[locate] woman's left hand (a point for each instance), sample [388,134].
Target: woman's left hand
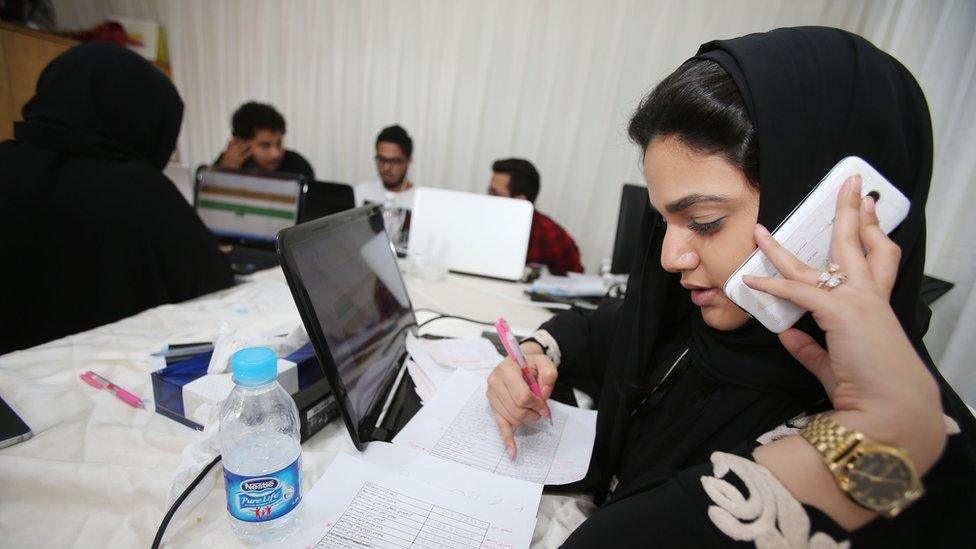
[870,370]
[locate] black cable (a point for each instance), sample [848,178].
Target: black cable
[176,504]
[466,319]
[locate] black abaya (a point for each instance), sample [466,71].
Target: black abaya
[92,230]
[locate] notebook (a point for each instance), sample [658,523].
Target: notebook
[344,277]
[246,210]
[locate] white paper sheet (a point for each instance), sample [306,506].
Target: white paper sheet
[358,504]
[458,425]
[511,494]
[463,353]
[425,387]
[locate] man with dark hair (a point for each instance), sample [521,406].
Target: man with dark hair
[394,150]
[256,143]
[549,244]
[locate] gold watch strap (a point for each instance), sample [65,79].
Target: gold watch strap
[830,438]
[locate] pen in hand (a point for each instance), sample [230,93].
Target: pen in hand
[515,353]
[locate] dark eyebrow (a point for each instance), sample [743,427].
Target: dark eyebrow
[691,200]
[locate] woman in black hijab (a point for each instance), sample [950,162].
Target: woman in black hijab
[699,407]
[92,230]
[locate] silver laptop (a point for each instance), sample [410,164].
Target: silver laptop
[471,233]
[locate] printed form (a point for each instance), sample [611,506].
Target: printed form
[458,425]
[357,503]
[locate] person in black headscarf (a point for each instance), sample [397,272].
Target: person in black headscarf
[92,229]
[706,426]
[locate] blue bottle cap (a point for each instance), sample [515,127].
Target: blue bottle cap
[254,366]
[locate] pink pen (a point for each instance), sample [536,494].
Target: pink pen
[515,353]
[100,382]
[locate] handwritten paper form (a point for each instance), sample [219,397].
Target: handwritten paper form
[458,425]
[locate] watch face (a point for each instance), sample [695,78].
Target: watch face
[877,479]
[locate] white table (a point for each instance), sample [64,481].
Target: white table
[97,472]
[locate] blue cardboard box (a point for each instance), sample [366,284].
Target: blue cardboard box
[316,405]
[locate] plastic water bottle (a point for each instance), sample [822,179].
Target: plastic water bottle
[391,217]
[261,450]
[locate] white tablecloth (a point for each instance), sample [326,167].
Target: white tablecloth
[96,472]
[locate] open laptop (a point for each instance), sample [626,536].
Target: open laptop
[344,276]
[472,233]
[246,210]
[322,198]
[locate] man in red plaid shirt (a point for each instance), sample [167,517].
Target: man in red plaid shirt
[549,244]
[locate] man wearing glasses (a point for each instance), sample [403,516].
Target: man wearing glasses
[393,150]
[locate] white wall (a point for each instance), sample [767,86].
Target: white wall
[552,81]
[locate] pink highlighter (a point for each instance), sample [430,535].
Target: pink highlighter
[515,353]
[100,382]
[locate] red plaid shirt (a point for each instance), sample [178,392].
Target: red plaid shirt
[552,246]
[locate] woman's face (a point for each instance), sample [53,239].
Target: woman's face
[710,209]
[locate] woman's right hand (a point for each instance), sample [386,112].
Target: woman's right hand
[510,398]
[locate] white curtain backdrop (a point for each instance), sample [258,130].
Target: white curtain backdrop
[551,81]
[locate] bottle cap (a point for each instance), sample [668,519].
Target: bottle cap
[254,366]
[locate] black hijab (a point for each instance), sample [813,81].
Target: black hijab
[815,96]
[92,229]
[104,100]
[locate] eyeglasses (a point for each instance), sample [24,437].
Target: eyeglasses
[394,162]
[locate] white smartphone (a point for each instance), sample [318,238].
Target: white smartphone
[806,233]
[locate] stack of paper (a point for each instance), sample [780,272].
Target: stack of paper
[447,479]
[433,361]
[573,285]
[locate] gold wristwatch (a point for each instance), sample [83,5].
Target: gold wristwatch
[875,476]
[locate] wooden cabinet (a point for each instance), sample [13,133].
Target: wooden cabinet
[23,55]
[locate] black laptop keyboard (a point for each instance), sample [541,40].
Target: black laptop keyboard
[247,260]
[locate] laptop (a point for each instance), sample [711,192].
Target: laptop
[344,277]
[472,233]
[322,198]
[246,210]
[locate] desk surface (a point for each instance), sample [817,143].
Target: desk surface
[97,472]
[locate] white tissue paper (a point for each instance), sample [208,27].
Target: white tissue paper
[285,339]
[206,393]
[194,458]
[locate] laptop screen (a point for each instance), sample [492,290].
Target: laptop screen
[350,274]
[324,198]
[247,206]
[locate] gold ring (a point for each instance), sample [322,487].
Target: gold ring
[830,280]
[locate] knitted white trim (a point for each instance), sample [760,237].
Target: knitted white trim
[769,515]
